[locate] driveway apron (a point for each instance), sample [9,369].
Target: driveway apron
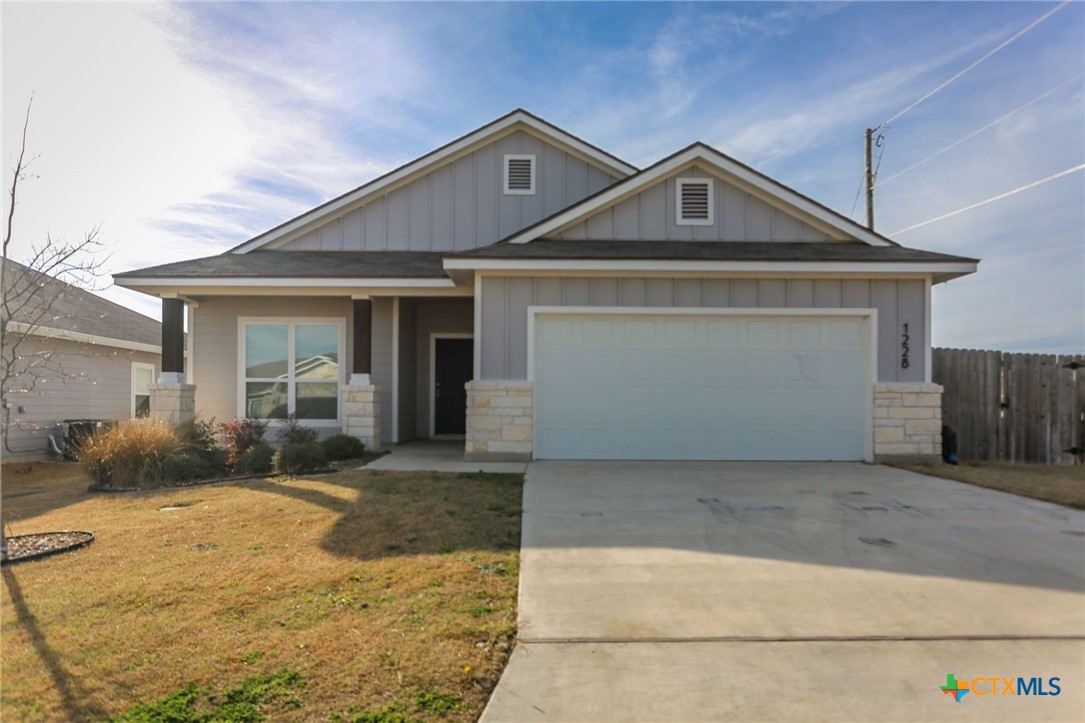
[789,591]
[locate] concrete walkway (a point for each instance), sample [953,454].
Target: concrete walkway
[426,455]
[735,591]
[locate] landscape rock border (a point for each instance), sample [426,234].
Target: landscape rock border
[44,544]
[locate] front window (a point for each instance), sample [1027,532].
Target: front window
[292,368]
[142,378]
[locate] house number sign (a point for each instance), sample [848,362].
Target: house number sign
[905,348]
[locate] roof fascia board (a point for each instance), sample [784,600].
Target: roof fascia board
[748,179]
[680,266]
[308,283]
[431,161]
[49,332]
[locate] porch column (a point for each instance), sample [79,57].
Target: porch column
[361,398]
[172,400]
[363,342]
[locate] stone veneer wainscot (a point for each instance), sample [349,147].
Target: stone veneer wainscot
[362,414]
[907,422]
[500,422]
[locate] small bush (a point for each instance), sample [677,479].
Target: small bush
[240,435]
[199,436]
[256,459]
[185,467]
[300,458]
[294,432]
[342,446]
[130,455]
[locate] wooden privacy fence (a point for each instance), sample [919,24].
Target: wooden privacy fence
[1013,407]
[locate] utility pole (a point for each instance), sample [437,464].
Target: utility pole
[870,178]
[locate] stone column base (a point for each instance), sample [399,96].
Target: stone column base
[907,422]
[361,414]
[173,403]
[500,419]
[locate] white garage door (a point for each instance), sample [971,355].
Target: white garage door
[613,386]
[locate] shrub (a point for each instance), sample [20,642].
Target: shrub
[185,467]
[130,455]
[240,435]
[342,446]
[294,432]
[199,436]
[256,459]
[300,458]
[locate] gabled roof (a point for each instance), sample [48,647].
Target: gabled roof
[298,265]
[845,258]
[732,171]
[51,307]
[518,119]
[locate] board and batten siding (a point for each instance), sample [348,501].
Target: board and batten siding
[461,205]
[650,216]
[436,317]
[98,386]
[505,301]
[216,344]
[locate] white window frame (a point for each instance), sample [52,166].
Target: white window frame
[679,219]
[505,173]
[291,323]
[135,366]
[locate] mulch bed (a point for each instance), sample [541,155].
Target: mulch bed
[42,544]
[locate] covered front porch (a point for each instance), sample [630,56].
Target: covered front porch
[384,368]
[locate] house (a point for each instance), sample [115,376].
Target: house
[73,356]
[540,298]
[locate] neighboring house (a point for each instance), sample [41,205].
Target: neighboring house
[76,356]
[539,297]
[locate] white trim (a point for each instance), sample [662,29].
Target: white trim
[530,191]
[139,365]
[277,281]
[869,315]
[290,322]
[791,268]
[433,337]
[395,371]
[477,370]
[927,355]
[47,332]
[746,178]
[679,184]
[516,120]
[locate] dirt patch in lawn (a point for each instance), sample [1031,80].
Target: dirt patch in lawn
[368,591]
[1061,484]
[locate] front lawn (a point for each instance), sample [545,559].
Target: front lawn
[334,597]
[1061,484]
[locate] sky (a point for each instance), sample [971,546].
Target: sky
[185,129]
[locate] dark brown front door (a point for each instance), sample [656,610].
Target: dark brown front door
[453,362]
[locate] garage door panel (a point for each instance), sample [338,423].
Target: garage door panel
[693,387]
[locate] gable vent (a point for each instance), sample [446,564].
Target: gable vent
[695,202]
[519,174]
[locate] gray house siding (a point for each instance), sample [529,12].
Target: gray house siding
[215,343]
[505,301]
[461,205]
[439,317]
[650,216]
[381,370]
[97,385]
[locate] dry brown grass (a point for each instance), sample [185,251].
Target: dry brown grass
[373,586]
[1061,484]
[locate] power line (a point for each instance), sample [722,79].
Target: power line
[1001,45]
[975,133]
[999,197]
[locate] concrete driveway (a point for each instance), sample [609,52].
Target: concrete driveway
[741,591]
